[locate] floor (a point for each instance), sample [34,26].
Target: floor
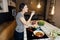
[7,30]
[4,25]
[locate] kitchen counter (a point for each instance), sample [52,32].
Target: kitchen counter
[47,28]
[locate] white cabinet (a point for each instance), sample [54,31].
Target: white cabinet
[3,6]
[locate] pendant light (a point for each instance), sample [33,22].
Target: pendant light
[52,11]
[39,5]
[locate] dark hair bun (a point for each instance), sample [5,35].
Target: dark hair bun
[21,6]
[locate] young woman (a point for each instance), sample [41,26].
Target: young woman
[19,32]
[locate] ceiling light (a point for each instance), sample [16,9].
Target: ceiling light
[38,5]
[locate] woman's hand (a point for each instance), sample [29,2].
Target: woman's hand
[33,12]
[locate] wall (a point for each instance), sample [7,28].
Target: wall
[47,9]
[56,17]
[41,12]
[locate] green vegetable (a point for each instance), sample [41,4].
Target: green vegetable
[41,23]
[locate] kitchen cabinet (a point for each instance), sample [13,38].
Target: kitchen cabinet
[3,6]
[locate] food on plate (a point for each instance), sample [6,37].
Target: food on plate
[38,33]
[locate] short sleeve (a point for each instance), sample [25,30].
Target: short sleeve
[19,15]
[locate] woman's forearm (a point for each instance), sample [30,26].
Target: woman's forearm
[29,19]
[33,12]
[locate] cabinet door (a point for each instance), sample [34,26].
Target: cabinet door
[3,6]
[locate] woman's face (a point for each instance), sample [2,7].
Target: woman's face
[25,8]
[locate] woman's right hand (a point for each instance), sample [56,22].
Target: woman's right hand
[33,12]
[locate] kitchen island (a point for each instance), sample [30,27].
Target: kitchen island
[47,28]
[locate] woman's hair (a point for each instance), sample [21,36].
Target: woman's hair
[21,6]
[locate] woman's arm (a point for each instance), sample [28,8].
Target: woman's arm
[22,19]
[33,12]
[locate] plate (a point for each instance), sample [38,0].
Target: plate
[38,33]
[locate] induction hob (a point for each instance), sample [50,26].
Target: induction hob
[30,35]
